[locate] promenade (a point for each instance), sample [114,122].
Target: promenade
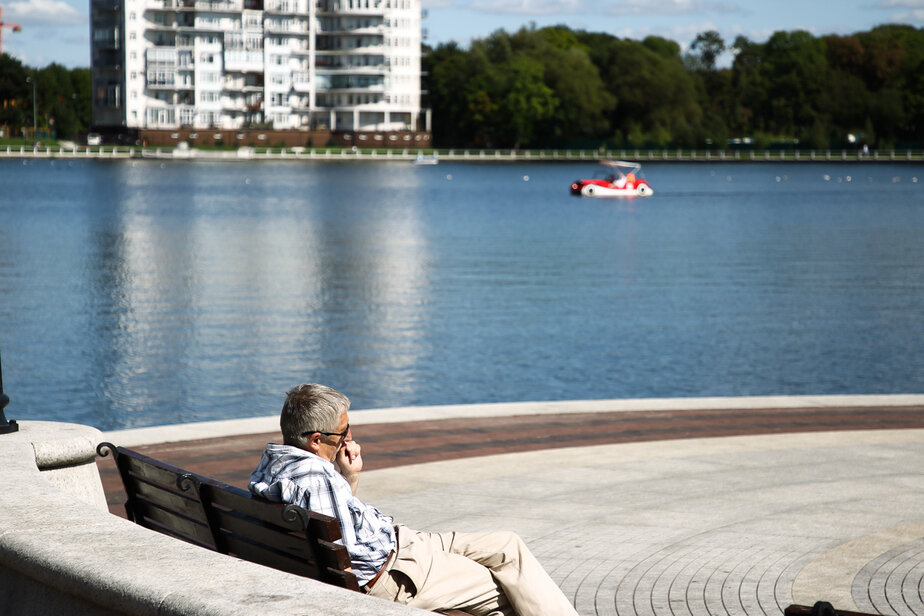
[704,506]
[382,154]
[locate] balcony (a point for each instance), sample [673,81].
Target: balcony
[298,28]
[341,68]
[220,6]
[301,81]
[161,57]
[233,104]
[350,27]
[160,86]
[341,7]
[243,61]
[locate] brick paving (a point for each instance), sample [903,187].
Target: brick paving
[640,512]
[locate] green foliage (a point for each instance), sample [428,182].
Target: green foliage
[62,102]
[551,86]
[705,50]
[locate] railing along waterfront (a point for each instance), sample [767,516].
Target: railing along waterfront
[456,154]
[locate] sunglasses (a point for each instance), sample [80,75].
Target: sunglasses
[337,434]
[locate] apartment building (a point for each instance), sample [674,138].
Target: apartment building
[337,65]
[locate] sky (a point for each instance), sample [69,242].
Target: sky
[59,31]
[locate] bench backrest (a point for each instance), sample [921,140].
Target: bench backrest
[227,519]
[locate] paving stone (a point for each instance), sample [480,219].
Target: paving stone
[702,526]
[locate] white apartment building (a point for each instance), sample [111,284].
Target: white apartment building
[341,65]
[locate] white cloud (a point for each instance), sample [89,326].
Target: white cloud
[911,16]
[900,4]
[914,15]
[528,7]
[44,12]
[670,7]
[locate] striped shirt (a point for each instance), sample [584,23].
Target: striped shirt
[292,475]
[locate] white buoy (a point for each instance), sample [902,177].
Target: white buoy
[448,176]
[525,178]
[827,177]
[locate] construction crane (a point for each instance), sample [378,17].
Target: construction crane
[14,27]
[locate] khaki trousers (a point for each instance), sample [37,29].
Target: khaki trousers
[485,574]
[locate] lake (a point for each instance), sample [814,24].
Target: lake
[144,293]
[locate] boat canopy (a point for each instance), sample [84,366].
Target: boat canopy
[621,165]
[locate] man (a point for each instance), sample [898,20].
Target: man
[318,468]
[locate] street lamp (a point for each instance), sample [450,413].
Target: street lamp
[34,115]
[5,426]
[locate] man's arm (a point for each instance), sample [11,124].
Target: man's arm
[349,462]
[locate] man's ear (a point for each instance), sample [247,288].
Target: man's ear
[313,442]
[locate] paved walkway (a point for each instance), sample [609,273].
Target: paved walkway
[669,509]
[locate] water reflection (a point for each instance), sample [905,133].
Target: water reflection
[206,278]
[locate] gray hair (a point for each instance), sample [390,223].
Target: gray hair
[311,408]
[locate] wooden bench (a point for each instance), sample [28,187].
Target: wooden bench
[220,517]
[821,608]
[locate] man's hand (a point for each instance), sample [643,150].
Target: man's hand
[349,461]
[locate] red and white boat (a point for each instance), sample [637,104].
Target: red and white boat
[620,180]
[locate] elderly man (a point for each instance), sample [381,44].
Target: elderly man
[318,468]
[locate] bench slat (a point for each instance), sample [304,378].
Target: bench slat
[335,555]
[324,553]
[155,518]
[151,469]
[169,500]
[343,579]
[268,557]
[256,530]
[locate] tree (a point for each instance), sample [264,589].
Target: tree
[582,98]
[528,101]
[705,50]
[15,93]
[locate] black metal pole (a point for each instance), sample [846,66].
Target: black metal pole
[5,426]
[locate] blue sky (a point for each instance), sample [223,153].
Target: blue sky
[58,30]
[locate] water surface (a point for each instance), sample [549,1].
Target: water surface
[136,293]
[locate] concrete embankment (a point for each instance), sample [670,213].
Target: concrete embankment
[61,552]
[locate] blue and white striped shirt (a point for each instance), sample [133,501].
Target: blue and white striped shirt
[292,475]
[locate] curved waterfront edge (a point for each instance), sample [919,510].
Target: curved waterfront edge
[135,437]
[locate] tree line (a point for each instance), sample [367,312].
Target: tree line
[61,105]
[557,87]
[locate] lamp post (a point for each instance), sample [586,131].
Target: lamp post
[5,426]
[34,114]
